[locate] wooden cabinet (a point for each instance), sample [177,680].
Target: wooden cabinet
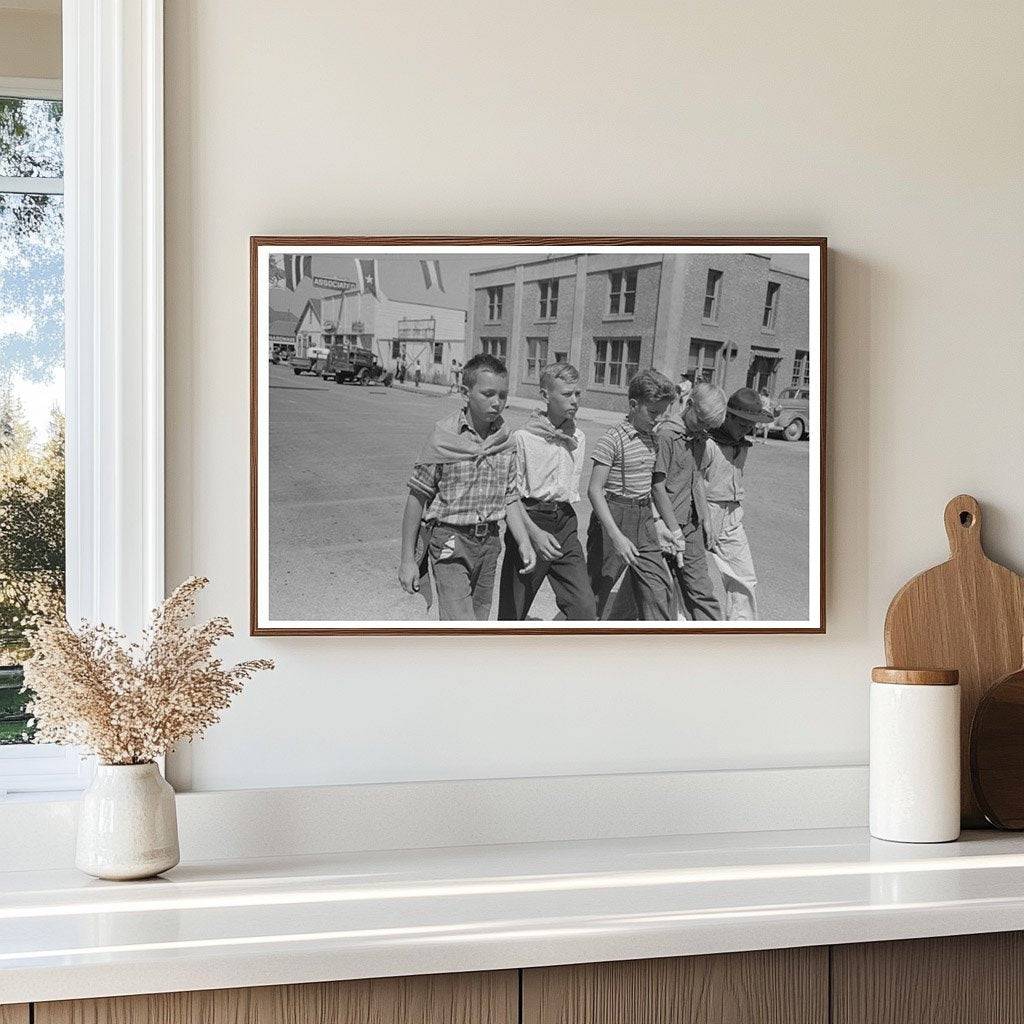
[969,979]
[482,998]
[777,986]
[962,979]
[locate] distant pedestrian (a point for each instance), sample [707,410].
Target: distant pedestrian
[400,372]
[456,375]
[766,404]
[417,373]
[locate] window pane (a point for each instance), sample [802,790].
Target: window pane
[31,144]
[31,427]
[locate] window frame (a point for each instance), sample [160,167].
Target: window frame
[770,314]
[495,302]
[714,296]
[112,91]
[497,342]
[547,307]
[801,366]
[619,297]
[606,344]
[537,342]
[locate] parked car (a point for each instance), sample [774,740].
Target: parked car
[348,363]
[792,413]
[312,362]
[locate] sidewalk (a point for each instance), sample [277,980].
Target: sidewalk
[514,402]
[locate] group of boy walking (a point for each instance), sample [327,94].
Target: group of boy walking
[666,490]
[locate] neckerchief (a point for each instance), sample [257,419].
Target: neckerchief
[445,446]
[539,425]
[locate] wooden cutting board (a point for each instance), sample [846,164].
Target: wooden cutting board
[967,614]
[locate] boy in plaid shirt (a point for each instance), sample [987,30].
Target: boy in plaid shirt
[462,489]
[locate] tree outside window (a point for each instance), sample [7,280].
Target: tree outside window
[31,386]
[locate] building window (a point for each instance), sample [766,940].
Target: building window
[622,294]
[32,488]
[536,357]
[494,297]
[438,352]
[703,360]
[771,305]
[549,299]
[616,361]
[496,347]
[713,296]
[802,369]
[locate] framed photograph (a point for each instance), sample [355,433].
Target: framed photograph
[537,435]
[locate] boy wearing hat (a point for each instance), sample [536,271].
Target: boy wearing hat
[727,450]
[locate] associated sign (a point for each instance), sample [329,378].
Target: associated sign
[332,282]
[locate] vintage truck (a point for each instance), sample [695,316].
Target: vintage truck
[347,363]
[312,362]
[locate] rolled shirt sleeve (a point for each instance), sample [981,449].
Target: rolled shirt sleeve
[424,480]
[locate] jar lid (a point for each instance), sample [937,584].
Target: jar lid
[916,676]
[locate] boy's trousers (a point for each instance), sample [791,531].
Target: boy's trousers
[567,574]
[465,561]
[695,584]
[731,552]
[649,578]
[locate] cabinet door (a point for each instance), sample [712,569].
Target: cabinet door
[961,979]
[14,1013]
[481,998]
[778,986]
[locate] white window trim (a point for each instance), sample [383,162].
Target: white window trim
[113,167]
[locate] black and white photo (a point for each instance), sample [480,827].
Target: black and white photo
[541,435]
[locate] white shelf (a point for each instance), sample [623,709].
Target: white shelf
[352,915]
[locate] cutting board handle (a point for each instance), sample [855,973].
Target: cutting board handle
[963,527]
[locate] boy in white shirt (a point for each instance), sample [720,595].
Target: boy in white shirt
[549,465]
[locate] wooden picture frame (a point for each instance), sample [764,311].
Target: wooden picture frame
[730,347]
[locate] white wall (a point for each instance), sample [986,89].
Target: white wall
[30,39]
[895,129]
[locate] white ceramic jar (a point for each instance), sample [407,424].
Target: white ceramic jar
[915,755]
[127,824]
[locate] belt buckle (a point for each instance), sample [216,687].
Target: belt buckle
[481,529]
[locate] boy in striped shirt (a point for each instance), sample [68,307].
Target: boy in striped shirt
[623,534]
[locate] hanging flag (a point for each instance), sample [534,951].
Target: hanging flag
[369,278]
[295,269]
[432,274]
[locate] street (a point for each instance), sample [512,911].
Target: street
[340,458]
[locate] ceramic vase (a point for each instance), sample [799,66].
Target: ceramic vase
[127,825]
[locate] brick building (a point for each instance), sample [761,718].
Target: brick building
[730,318]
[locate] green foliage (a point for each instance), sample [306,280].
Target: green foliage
[32,549]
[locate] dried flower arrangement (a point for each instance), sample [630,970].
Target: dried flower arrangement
[130,703]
